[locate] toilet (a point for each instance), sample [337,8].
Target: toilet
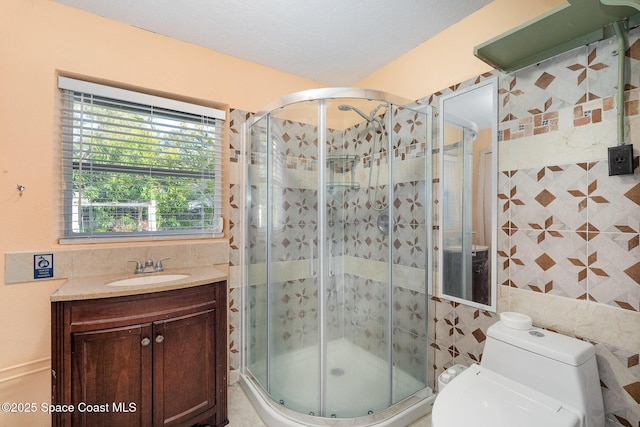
[528,377]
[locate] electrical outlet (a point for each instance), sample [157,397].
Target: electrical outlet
[621,160]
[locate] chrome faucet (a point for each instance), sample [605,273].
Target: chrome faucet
[148,266]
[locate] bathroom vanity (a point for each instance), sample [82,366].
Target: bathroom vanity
[148,356]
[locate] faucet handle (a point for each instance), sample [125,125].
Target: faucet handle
[139,267]
[159,266]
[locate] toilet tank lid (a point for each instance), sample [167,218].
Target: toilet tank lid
[545,343]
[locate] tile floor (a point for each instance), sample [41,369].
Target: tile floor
[242,414]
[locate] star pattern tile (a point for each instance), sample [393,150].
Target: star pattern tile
[567,230]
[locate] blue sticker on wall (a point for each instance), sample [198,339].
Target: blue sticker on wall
[43,266]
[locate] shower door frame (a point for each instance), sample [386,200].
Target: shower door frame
[321,96]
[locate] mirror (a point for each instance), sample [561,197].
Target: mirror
[468,195]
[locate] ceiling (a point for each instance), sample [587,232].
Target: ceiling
[333,42]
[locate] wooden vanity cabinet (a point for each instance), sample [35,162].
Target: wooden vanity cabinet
[155,359]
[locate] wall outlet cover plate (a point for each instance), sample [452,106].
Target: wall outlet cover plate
[621,160]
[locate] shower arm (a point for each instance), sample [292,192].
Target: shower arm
[371,118]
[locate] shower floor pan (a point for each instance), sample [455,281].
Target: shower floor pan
[357,382]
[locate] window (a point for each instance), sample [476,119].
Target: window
[138,165]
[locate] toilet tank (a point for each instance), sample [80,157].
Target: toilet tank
[556,365]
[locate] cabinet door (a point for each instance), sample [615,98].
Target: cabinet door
[111,377]
[183,368]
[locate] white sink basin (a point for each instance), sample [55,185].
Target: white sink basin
[148,280]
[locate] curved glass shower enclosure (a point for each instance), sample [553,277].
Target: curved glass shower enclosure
[337,247]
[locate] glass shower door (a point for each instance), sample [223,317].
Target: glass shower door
[336,318]
[411,178]
[292,260]
[358,320]
[256,293]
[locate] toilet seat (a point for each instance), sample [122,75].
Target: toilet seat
[481,398]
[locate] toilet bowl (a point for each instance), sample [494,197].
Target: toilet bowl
[528,377]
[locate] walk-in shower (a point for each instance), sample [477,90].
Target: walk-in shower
[335,299]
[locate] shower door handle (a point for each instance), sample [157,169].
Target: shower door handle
[312,269]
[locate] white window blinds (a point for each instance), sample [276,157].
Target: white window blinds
[138,165]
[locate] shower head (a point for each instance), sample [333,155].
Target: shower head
[369,118]
[344,107]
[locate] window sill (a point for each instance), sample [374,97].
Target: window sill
[128,239]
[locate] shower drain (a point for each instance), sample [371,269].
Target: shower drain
[337,372]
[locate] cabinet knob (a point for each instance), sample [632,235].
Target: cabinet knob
[159,339]
[145,342]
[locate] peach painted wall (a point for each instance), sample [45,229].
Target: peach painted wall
[447,58]
[41,39]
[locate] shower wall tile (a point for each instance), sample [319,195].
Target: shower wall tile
[367,310]
[256,323]
[294,320]
[367,241]
[370,333]
[358,140]
[336,314]
[409,354]
[296,206]
[410,311]
[298,140]
[410,244]
[410,202]
[257,245]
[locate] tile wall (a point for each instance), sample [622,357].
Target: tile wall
[357,304]
[569,235]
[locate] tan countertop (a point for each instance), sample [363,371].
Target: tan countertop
[93,287]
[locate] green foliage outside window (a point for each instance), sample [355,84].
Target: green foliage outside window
[129,171]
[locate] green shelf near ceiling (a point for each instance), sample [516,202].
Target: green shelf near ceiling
[574,24]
